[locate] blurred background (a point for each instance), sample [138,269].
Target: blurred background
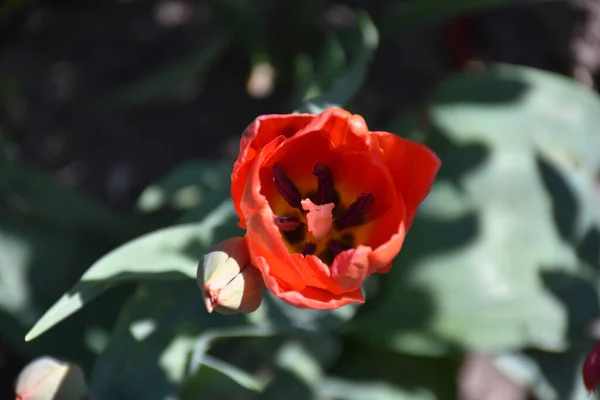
[119,118]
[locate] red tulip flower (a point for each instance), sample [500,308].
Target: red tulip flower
[326,203]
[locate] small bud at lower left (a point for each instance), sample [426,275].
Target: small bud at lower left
[48,379]
[229,283]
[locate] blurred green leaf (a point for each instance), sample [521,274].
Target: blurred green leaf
[212,383]
[192,188]
[170,253]
[330,66]
[154,340]
[32,276]
[515,194]
[342,389]
[304,75]
[157,86]
[365,372]
[285,317]
[300,366]
[549,376]
[244,19]
[410,14]
[333,61]
[151,342]
[348,82]
[43,197]
[242,378]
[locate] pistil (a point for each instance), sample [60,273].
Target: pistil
[318,211]
[319,218]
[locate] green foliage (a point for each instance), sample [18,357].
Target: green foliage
[160,85]
[349,79]
[513,200]
[404,16]
[167,254]
[502,258]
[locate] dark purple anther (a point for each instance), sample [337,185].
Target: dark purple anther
[286,187]
[354,213]
[336,247]
[287,224]
[309,248]
[325,190]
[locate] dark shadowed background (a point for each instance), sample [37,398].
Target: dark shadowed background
[109,97]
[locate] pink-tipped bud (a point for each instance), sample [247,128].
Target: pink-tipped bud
[229,283]
[591,369]
[48,379]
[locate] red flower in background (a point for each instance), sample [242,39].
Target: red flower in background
[591,369]
[326,203]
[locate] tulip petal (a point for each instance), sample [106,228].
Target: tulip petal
[351,267]
[309,297]
[353,173]
[256,136]
[263,236]
[381,258]
[342,128]
[413,167]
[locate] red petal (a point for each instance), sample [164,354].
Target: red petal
[413,167]
[342,129]
[351,267]
[256,136]
[263,235]
[309,297]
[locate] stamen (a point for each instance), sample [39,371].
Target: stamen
[355,212]
[325,190]
[336,247]
[309,249]
[286,187]
[287,224]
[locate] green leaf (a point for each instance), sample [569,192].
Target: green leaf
[170,253]
[513,199]
[159,85]
[364,372]
[549,376]
[242,378]
[348,83]
[151,342]
[245,19]
[191,188]
[45,198]
[286,316]
[32,277]
[157,334]
[331,65]
[410,14]
[213,382]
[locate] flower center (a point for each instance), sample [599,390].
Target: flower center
[319,218]
[312,228]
